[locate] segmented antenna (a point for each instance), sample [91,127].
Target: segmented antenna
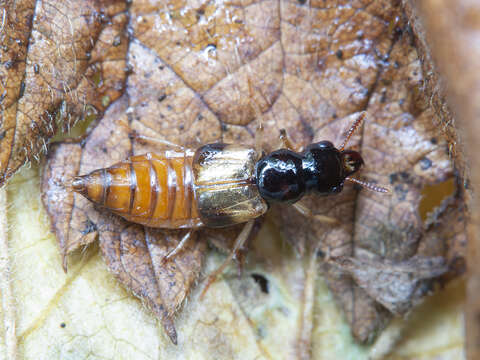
[352,130]
[369,186]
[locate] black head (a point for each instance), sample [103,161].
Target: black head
[326,167]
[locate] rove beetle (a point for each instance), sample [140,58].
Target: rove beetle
[219,185]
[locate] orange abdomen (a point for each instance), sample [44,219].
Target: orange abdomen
[153,189]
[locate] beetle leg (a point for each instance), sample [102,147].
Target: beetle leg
[241,238]
[242,252]
[259,140]
[259,117]
[180,246]
[134,135]
[287,142]
[308,213]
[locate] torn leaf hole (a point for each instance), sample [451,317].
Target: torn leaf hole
[433,195]
[261,281]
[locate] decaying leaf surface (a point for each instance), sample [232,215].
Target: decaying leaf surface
[402,148]
[86,311]
[61,60]
[311,66]
[394,285]
[132,252]
[435,89]
[451,30]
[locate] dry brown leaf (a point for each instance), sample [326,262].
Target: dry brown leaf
[132,253]
[87,311]
[451,30]
[396,285]
[311,66]
[61,61]
[402,148]
[435,90]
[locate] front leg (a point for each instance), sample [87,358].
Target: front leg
[287,143]
[308,213]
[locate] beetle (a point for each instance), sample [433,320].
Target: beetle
[219,185]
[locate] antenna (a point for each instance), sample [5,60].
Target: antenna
[369,186]
[352,130]
[366,185]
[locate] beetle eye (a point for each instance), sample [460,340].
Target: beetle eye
[325,144]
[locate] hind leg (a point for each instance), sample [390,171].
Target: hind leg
[142,139]
[180,246]
[241,254]
[241,238]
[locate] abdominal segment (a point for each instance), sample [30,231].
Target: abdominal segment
[153,189]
